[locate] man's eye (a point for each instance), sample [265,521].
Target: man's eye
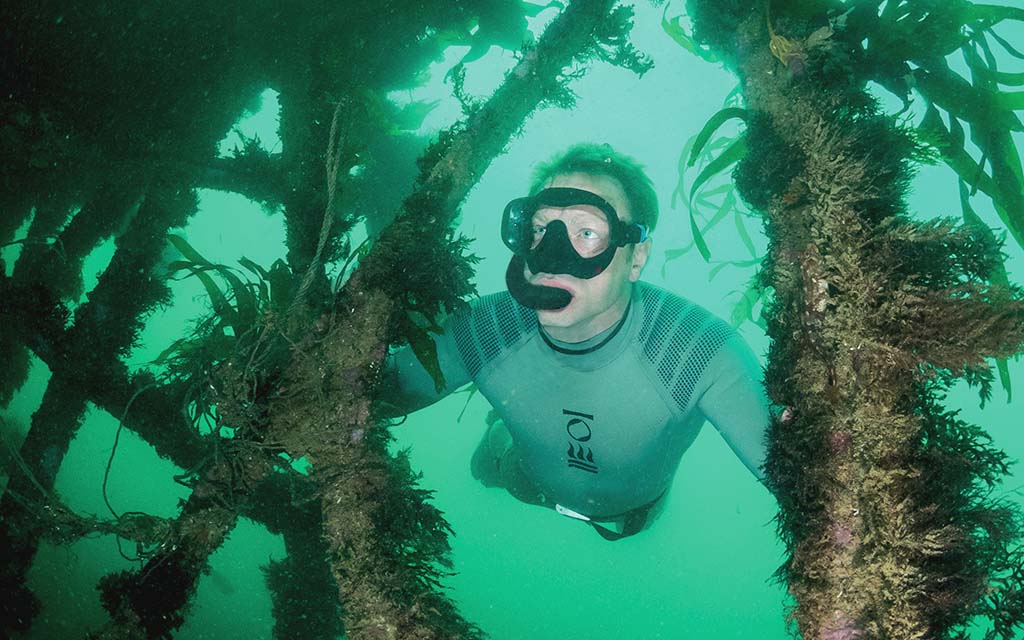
[589,234]
[538,229]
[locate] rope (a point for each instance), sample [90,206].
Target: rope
[333,163]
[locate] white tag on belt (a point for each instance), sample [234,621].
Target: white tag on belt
[570,513]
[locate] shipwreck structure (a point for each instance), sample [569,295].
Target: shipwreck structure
[118,151]
[112,121]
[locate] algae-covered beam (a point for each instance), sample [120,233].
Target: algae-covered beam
[586,31]
[31,512]
[53,425]
[302,589]
[314,220]
[420,234]
[157,411]
[150,603]
[872,315]
[403,535]
[384,540]
[35,317]
[44,261]
[305,124]
[52,520]
[107,324]
[256,175]
[105,328]
[58,265]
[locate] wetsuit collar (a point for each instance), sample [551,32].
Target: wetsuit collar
[598,350]
[591,344]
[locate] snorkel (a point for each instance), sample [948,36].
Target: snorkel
[534,296]
[555,253]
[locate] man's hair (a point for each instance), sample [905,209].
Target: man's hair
[601,160]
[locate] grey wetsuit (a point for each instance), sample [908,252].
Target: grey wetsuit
[601,431]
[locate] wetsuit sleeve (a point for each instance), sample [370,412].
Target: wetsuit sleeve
[473,339]
[407,386]
[735,402]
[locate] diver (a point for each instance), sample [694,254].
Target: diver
[598,382]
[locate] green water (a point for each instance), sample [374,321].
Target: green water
[523,572]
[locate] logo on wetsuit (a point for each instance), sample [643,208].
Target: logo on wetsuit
[578,429]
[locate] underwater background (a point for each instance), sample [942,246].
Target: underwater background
[704,570]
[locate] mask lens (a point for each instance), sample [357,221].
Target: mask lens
[586,225]
[516,227]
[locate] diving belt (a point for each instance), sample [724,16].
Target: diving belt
[633,521]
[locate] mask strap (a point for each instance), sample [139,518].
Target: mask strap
[633,233]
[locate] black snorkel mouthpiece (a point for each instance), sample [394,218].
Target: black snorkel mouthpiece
[534,296]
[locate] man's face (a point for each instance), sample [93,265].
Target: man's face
[598,302]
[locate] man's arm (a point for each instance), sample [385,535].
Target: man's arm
[407,386]
[736,404]
[471,340]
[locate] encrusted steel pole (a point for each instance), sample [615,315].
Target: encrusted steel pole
[872,314]
[384,540]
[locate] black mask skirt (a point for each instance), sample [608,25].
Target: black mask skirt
[555,253]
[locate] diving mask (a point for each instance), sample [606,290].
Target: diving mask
[561,230]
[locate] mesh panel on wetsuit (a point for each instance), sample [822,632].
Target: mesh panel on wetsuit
[495,324]
[679,339]
[651,300]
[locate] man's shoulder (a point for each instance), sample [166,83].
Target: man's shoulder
[489,326]
[666,311]
[677,339]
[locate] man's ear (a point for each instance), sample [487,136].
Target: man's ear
[640,254]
